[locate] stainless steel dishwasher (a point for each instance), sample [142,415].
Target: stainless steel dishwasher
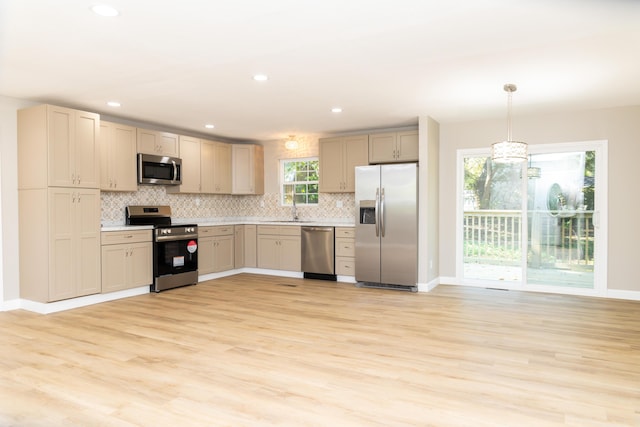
[318,249]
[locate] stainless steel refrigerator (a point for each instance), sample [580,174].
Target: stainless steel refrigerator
[387,225]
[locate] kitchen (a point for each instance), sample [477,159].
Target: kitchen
[115,147]
[274,350]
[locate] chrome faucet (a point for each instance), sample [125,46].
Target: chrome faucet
[294,209]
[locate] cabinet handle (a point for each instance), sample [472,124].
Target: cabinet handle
[78,179]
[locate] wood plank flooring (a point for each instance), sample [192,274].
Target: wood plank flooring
[251,350]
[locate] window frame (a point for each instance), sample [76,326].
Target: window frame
[285,197]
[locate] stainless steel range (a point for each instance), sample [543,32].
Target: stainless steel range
[175,247]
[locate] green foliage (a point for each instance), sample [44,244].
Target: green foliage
[301,179]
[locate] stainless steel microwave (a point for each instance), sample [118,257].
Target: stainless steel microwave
[161,170]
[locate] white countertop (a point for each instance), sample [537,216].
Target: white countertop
[207,222]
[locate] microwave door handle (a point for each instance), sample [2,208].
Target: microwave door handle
[175,170]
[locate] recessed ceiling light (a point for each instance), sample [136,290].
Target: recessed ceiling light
[113,104]
[336,110]
[209,126]
[105,10]
[260,77]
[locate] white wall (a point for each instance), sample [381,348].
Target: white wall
[9,268]
[620,126]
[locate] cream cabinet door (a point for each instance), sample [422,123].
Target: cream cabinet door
[238,246]
[140,264]
[407,146]
[393,147]
[117,157]
[382,147]
[205,254]
[74,240]
[250,252]
[356,153]
[247,169]
[62,260]
[158,143]
[86,156]
[126,266]
[190,152]
[74,156]
[338,159]
[61,134]
[207,166]
[268,252]
[114,267]
[331,165]
[87,255]
[222,169]
[290,253]
[223,253]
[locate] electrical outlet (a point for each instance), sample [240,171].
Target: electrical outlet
[197,201]
[262,203]
[338,203]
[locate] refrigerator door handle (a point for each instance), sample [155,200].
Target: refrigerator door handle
[382,212]
[377,208]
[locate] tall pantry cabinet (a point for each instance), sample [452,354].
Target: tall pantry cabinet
[59,203]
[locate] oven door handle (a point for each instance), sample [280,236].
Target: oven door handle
[175,238]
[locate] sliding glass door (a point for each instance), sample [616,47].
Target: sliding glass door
[537,225]
[492,220]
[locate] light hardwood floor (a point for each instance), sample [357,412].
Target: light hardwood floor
[253,350]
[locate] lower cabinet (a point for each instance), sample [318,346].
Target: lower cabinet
[250,251]
[279,247]
[59,243]
[238,258]
[215,249]
[127,259]
[345,251]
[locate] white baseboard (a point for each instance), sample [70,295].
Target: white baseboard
[609,293]
[623,294]
[54,307]
[428,287]
[13,304]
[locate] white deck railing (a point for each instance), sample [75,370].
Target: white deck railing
[556,238]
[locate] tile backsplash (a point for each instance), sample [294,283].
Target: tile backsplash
[222,207]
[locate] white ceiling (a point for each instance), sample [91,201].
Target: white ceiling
[186,63]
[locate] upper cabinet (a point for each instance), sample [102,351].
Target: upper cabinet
[158,143]
[59,146]
[218,167]
[339,157]
[190,151]
[247,169]
[206,167]
[393,147]
[117,157]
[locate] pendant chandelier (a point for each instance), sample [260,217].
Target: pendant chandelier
[533,171]
[509,151]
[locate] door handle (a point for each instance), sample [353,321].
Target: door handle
[382,212]
[377,212]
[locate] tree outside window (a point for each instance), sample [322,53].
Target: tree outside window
[299,180]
